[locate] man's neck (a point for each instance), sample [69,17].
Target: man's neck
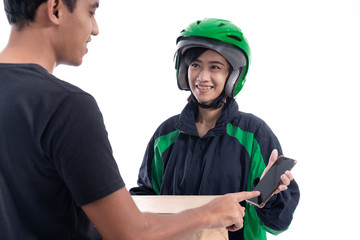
[29,45]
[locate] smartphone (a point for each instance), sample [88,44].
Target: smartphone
[271,181]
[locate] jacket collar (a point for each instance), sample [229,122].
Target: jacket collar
[186,121]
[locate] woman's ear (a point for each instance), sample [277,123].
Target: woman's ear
[54,10]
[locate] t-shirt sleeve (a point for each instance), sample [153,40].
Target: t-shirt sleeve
[77,145]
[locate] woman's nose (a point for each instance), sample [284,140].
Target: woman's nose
[204,75]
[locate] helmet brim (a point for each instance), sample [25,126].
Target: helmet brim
[233,54]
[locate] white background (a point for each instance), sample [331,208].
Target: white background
[303,81]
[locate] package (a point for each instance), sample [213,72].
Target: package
[168,204]
[211,234]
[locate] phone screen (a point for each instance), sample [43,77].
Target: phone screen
[271,181]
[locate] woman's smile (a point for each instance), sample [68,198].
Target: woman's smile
[204,88]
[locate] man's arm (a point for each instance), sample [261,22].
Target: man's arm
[117,217]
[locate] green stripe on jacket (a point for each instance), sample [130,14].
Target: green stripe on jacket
[253,226]
[157,165]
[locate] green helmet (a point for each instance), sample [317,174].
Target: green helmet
[221,36]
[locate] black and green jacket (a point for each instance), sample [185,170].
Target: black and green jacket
[227,159]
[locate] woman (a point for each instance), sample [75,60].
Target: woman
[211,148]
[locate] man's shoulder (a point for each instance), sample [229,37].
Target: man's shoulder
[35,80]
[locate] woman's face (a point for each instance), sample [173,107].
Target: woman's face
[207,76]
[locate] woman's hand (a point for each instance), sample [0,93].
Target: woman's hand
[286,178]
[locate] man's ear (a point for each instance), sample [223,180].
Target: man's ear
[54,10]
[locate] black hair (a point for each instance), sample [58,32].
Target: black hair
[22,12]
[192,54]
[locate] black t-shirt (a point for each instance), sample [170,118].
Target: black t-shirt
[54,156]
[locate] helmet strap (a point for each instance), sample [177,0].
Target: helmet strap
[216,103]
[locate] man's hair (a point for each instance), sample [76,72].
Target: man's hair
[22,12]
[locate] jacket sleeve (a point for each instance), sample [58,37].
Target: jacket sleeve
[277,214]
[144,182]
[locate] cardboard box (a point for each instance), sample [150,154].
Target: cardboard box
[168,204]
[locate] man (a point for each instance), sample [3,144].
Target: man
[58,177]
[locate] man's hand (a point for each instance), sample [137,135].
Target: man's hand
[226,210]
[286,178]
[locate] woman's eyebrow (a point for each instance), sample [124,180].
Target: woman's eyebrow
[216,62]
[212,62]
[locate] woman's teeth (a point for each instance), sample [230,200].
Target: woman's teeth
[204,87]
